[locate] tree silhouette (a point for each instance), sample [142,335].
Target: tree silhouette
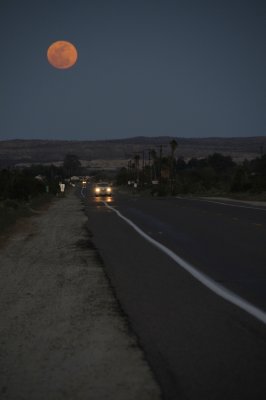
[174,146]
[71,164]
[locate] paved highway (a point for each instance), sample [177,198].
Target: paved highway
[199,345]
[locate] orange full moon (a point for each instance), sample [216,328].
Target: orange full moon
[62,54]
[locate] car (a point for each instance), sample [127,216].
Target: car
[103,189]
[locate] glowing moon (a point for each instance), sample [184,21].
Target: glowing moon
[62,54]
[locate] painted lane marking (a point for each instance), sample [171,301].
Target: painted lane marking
[235,205]
[224,204]
[201,277]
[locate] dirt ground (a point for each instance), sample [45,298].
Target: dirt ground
[62,333]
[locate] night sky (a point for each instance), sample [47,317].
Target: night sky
[188,68]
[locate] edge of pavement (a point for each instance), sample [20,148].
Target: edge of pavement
[63,332]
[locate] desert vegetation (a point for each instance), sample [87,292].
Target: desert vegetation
[26,188]
[211,175]
[23,190]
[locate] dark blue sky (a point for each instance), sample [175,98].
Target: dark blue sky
[189,68]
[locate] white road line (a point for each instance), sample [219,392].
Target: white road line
[224,204]
[234,205]
[201,277]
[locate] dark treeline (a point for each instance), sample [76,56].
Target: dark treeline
[29,182]
[214,174]
[23,185]
[162,174]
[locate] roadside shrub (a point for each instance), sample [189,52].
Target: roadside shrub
[11,204]
[241,182]
[160,190]
[177,187]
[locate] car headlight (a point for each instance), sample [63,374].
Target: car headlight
[109,189]
[97,190]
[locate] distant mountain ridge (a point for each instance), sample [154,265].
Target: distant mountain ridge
[44,151]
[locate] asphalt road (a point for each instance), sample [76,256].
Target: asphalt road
[199,345]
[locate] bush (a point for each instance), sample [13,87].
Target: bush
[17,185]
[11,204]
[241,182]
[160,190]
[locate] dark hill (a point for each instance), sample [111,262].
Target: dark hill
[45,151]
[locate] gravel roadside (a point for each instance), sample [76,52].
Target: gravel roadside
[62,334]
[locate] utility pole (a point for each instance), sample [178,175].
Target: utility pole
[137,158]
[150,170]
[160,160]
[129,169]
[160,164]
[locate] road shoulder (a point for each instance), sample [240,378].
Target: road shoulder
[62,333]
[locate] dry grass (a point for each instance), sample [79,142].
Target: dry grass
[14,215]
